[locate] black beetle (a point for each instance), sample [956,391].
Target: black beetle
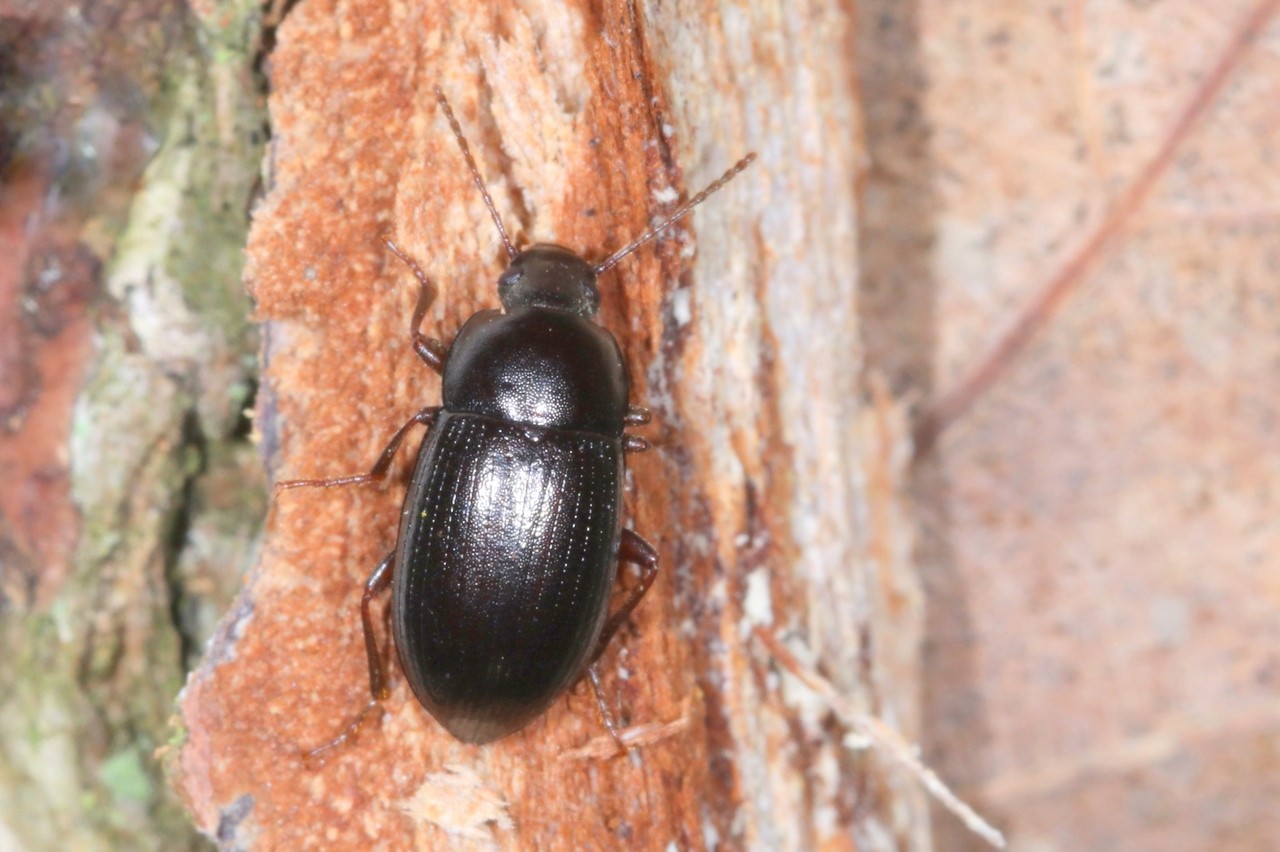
[511,528]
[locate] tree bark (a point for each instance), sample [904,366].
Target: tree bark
[130,499]
[772,491]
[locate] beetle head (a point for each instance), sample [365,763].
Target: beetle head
[549,276]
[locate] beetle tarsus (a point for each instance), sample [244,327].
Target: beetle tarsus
[606,715]
[315,758]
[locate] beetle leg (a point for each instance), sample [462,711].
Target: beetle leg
[430,350]
[636,415]
[377,583]
[632,548]
[606,715]
[634,444]
[426,417]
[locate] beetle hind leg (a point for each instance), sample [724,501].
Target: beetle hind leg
[606,715]
[632,548]
[377,583]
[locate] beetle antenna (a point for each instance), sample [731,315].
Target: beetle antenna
[475,172]
[680,213]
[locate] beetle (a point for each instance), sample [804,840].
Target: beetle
[511,529]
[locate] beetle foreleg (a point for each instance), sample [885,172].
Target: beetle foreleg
[426,417]
[377,583]
[632,548]
[430,350]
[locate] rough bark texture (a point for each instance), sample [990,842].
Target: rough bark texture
[588,120]
[129,497]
